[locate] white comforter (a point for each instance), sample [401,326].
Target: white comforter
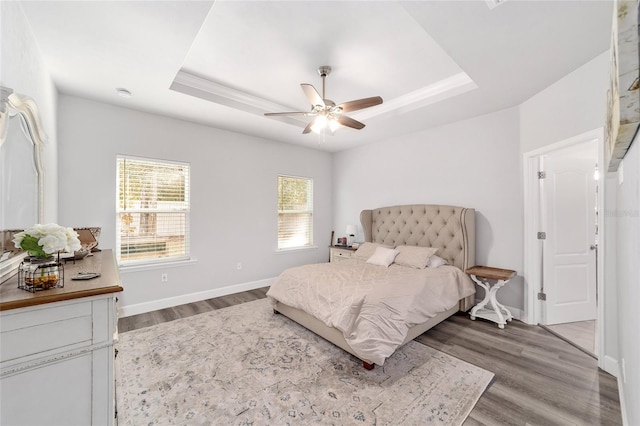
[373,306]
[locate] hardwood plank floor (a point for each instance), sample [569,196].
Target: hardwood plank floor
[539,378]
[183,311]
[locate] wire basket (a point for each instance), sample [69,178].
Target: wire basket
[40,274]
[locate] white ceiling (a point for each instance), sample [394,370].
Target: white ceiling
[225,64]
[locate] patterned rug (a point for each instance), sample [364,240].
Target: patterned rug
[245,365]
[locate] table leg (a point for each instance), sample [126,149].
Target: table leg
[497,305]
[484,302]
[494,303]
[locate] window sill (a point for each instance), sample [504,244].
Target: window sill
[296,249]
[151,266]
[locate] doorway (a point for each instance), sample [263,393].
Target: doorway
[569,247]
[563,271]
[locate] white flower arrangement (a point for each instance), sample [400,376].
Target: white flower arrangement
[45,240]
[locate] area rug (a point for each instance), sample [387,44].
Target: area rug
[246,365]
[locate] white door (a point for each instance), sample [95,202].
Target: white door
[569,218]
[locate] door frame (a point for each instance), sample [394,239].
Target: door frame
[532,255]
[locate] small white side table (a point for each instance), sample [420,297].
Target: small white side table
[340,253]
[496,312]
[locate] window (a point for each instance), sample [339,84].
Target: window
[153,211]
[295,212]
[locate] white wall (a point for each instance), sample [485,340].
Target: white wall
[627,217]
[473,163]
[608,247]
[571,106]
[23,70]
[233,194]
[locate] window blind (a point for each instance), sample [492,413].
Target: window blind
[295,212]
[153,210]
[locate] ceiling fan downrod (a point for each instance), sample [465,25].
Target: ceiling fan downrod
[324,71]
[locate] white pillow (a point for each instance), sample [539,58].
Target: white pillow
[383,256]
[366,250]
[414,256]
[436,261]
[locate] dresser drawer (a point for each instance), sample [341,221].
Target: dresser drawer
[337,254]
[42,331]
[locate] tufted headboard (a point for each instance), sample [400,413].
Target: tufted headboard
[451,229]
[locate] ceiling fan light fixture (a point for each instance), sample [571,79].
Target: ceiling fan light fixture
[334,125]
[326,112]
[320,124]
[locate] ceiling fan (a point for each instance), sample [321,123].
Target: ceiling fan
[325,112]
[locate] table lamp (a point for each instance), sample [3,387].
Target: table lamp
[351,234]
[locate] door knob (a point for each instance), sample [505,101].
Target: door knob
[593,246]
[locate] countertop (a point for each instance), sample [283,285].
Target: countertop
[11,297]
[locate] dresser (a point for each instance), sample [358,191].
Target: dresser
[57,348]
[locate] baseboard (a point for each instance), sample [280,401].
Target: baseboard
[154,305]
[517,313]
[611,366]
[623,405]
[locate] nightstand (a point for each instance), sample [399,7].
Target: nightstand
[340,253]
[482,276]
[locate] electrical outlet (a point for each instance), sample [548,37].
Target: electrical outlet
[164,277]
[239,266]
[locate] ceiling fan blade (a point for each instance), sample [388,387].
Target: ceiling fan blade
[312,95]
[360,104]
[309,126]
[286,113]
[350,122]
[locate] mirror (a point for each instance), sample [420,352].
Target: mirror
[21,174]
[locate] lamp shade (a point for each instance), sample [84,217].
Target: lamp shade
[351,230]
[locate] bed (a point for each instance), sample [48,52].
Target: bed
[450,229]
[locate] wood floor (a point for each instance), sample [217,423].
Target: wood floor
[169,314]
[539,378]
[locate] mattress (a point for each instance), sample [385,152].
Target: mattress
[372,306]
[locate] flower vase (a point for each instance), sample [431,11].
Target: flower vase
[40,273]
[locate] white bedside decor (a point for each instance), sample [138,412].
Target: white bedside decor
[351,234]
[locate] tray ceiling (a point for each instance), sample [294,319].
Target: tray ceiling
[226,63]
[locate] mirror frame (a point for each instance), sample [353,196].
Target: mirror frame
[12,104]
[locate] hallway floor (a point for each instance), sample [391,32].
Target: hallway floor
[582,333]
